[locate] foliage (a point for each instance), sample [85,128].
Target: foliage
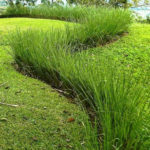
[94,32]
[142,20]
[52,2]
[21,2]
[115,3]
[148,19]
[116,90]
[87,2]
[119,101]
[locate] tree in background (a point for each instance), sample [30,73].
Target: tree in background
[136,2]
[46,2]
[51,2]
[147,2]
[115,3]
[23,2]
[88,2]
[10,2]
[30,2]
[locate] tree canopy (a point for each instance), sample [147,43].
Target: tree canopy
[124,3]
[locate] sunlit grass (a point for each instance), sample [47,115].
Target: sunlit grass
[118,100]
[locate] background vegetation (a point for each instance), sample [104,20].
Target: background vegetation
[115,3]
[93,19]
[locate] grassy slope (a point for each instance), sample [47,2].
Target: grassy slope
[40,121]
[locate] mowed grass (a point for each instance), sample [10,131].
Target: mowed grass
[41,120]
[9,24]
[131,51]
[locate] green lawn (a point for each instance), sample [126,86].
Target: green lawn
[9,24]
[42,119]
[131,51]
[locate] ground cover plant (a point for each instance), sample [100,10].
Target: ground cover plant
[120,102]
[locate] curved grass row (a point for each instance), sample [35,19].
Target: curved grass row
[98,24]
[118,100]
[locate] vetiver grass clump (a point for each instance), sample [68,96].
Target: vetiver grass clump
[67,13]
[105,24]
[119,103]
[98,25]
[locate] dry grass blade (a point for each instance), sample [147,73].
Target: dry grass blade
[11,105]
[2,84]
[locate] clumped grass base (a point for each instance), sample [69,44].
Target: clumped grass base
[98,24]
[119,101]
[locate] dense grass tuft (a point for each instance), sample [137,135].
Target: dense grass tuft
[118,101]
[99,25]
